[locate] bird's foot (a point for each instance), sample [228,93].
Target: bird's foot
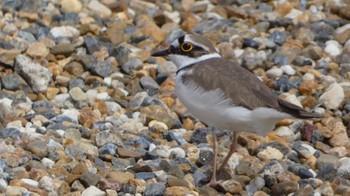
[214,183]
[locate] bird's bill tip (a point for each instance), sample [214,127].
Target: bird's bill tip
[161,53]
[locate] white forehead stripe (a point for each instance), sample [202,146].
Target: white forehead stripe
[188,39]
[175,43]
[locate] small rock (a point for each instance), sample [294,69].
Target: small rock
[108,183]
[232,186]
[3,185]
[272,168]
[332,97]
[269,154]
[10,82]
[63,49]
[37,50]
[155,189]
[99,8]
[64,31]
[92,190]
[289,70]
[342,34]
[89,179]
[148,83]
[206,157]
[344,168]
[284,188]
[8,56]
[35,74]
[333,48]
[274,72]
[325,189]
[71,6]
[77,94]
[133,64]
[200,135]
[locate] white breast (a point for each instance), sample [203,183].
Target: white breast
[214,109]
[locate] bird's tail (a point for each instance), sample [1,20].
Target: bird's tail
[297,111]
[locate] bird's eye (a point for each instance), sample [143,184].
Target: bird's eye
[186,47]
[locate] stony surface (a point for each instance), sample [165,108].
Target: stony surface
[86,110]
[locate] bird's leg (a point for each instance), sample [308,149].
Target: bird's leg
[213,181]
[233,147]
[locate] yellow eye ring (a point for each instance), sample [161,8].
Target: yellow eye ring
[186,47]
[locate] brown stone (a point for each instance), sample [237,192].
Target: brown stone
[51,92]
[232,186]
[37,174]
[129,153]
[101,106]
[284,188]
[116,32]
[159,113]
[37,50]
[58,172]
[87,117]
[308,87]
[74,68]
[188,124]
[177,191]
[284,8]
[55,69]
[121,176]
[189,21]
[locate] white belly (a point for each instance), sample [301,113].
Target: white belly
[212,108]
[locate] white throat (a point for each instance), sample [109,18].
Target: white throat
[183,61]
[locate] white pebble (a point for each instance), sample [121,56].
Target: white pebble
[48,163]
[108,81]
[16,124]
[270,153]
[64,31]
[72,113]
[177,152]
[308,77]
[274,72]
[332,97]
[30,182]
[60,132]
[6,101]
[91,96]
[333,48]
[151,147]
[289,70]
[92,190]
[3,184]
[102,96]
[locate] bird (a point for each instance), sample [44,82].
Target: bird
[225,95]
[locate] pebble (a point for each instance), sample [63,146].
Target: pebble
[232,186]
[274,72]
[35,74]
[64,32]
[270,154]
[92,190]
[73,6]
[333,48]
[155,189]
[343,169]
[286,188]
[332,97]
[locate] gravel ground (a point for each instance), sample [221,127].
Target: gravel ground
[85,109]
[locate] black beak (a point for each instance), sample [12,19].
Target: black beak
[162,53]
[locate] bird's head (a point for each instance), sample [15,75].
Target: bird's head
[189,49]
